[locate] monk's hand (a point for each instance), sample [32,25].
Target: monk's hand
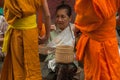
[42,40]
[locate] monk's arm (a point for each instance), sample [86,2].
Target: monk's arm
[47,17]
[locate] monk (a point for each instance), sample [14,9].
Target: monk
[21,39]
[98,45]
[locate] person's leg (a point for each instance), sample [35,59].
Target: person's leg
[31,56]
[12,67]
[17,55]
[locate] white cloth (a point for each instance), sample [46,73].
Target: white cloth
[3,24]
[1,19]
[65,37]
[52,65]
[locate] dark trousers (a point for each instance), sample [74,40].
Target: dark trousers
[65,71]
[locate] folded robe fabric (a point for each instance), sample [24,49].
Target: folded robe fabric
[22,59]
[98,46]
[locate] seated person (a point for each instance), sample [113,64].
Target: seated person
[62,33]
[3,27]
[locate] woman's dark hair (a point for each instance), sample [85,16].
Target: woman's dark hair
[65,6]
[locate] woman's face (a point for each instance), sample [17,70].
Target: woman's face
[62,19]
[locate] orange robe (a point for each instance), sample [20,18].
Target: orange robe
[22,59]
[98,46]
[41,26]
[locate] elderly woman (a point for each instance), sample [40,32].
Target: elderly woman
[61,34]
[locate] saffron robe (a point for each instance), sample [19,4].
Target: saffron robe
[22,59]
[98,46]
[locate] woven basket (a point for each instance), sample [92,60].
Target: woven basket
[64,54]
